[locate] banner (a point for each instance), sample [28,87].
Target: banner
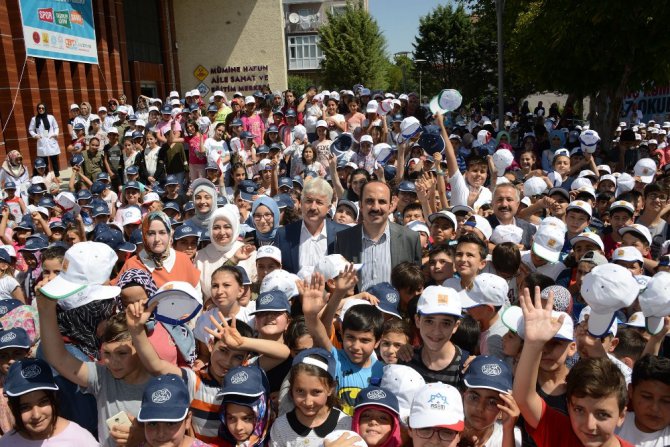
[654,104]
[59,29]
[245,79]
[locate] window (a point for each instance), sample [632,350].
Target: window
[337,10]
[143,31]
[304,52]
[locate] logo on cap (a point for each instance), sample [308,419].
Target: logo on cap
[31,371]
[161,396]
[632,318]
[438,401]
[392,298]
[443,298]
[552,243]
[238,378]
[266,299]
[376,394]
[8,337]
[187,228]
[491,369]
[3,309]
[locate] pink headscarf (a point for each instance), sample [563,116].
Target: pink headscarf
[394,440]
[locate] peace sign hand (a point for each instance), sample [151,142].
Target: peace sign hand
[225,332]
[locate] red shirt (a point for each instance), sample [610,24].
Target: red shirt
[555,430]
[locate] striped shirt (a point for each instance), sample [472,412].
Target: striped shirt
[203,390]
[376,259]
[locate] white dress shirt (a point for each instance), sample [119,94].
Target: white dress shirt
[312,247]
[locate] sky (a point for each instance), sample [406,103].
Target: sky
[399,20]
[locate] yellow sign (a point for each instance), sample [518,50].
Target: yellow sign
[200,73]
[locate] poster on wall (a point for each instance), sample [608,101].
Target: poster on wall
[245,79]
[59,29]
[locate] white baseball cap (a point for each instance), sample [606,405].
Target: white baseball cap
[418,226]
[366,139]
[609,177]
[637,228]
[444,214]
[512,317]
[280,280]
[174,94]
[548,242]
[645,169]
[502,159]
[86,267]
[131,215]
[581,206]
[321,123]
[151,197]
[439,300]
[437,405]
[178,302]
[636,320]
[627,254]
[589,236]
[403,381]
[622,204]
[74,106]
[655,301]
[249,100]
[140,123]
[481,224]
[607,288]
[331,266]
[588,140]
[506,233]
[487,289]
[605,168]
[587,173]
[534,186]
[269,251]
[624,183]
[587,311]
[219,93]
[102,109]
[372,106]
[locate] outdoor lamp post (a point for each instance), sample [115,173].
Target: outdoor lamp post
[417,62]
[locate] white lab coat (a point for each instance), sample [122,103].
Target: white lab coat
[46,145]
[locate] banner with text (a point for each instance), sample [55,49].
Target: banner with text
[59,29]
[245,79]
[654,104]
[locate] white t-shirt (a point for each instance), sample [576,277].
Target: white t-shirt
[632,434]
[220,147]
[496,438]
[335,131]
[550,270]
[7,285]
[203,322]
[460,192]
[73,434]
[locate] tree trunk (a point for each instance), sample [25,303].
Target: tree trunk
[605,110]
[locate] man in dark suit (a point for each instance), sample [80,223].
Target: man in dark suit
[305,242]
[377,243]
[505,204]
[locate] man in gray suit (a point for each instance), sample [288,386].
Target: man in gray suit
[377,243]
[505,204]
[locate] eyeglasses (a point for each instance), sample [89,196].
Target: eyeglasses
[268,216]
[40,108]
[491,403]
[443,433]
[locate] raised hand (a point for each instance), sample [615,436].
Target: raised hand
[137,315]
[225,332]
[312,293]
[509,410]
[244,252]
[539,324]
[346,280]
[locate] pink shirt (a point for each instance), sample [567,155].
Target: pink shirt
[255,125]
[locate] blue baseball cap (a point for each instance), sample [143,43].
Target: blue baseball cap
[275,147]
[248,189]
[193,107]
[489,372]
[397,118]
[272,129]
[137,134]
[84,194]
[132,185]
[114,240]
[246,135]
[263,149]
[310,174]
[407,186]
[189,206]
[245,381]
[323,360]
[212,108]
[246,281]
[388,297]
[132,117]
[236,123]
[35,244]
[29,375]
[98,187]
[284,201]
[272,301]
[211,166]
[221,201]
[5,256]
[364,92]
[6,306]
[166,109]
[185,230]
[14,338]
[47,202]
[57,224]
[136,237]
[376,395]
[100,209]
[431,139]
[204,236]
[298,180]
[102,176]
[10,184]
[26,223]
[285,182]
[36,189]
[172,205]
[342,144]
[132,170]
[390,172]
[277,111]
[40,163]
[165,399]
[79,126]
[290,113]
[171,179]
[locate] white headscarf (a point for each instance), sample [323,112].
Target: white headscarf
[230,214]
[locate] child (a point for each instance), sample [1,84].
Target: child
[412,212]
[361,333]
[630,258]
[443,227]
[490,409]
[346,212]
[469,260]
[165,413]
[436,417]
[483,303]
[395,334]
[14,346]
[268,259]
[31,394]
[186,240]
[595,388]
[408,280]
[638,236]
[545,253]
[117,382]
[649,390]
[9,286]
[377,417]
[245,409]
[577,219]
[15,203]
[440,264]
[313,382]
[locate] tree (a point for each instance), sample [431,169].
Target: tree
[299,84]
[354,49]
[597,49]
[456,56]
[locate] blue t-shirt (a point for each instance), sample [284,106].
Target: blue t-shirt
[352,378]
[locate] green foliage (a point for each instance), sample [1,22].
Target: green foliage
[401,64]
[299,84]
[354,49]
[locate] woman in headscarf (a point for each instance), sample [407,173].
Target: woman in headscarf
[204,199]
[265,219]
[225,249]
[556,141]
[14,170]
[44,128]
[158,257]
